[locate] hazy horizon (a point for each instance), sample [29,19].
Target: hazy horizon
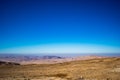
[63,49]
[63,55]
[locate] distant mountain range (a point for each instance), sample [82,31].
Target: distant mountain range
[48,59]
[26,57]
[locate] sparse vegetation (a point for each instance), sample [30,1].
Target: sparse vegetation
[95,69]
[62,75]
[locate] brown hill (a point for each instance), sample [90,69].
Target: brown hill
[93,69]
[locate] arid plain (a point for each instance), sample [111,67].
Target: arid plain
[106,68]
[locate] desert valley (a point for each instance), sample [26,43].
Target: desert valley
[59,68]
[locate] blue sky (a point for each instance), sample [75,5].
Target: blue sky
[29,23]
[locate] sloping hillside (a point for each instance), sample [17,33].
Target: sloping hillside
[94,69]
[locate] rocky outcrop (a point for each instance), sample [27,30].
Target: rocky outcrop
[8,63]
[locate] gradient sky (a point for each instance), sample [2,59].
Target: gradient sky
[63,23]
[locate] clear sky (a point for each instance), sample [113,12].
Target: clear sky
[66,24]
